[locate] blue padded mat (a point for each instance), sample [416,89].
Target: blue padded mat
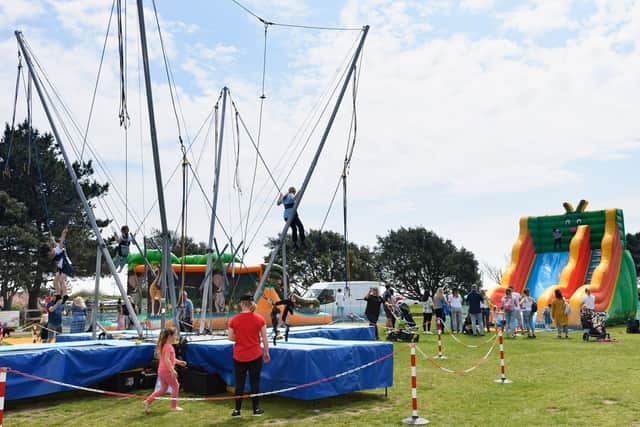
[303,360]
[335,332]
[83,364]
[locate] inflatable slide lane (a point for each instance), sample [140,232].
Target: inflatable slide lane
[571,252]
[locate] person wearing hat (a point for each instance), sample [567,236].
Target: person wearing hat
[246,329]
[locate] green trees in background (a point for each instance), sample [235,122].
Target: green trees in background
[415,260]
[633,245]
[412,260]
[24,225]
[323,259]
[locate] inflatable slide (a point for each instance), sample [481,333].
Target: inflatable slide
[571,252]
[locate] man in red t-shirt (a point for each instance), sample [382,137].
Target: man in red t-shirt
[245,329]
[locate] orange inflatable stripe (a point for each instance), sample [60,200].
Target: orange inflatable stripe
[200,268]
[575,272]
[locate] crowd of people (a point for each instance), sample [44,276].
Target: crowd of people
[516,312]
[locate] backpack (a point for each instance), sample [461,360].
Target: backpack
[508,304]
[567,308]
[446,309]
[534,307]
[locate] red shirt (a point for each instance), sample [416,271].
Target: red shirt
[168,348]
[246,327]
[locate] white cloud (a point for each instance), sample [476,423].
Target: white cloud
[220,53]
[536,17]
[439,118]
[11,12]
[477,5]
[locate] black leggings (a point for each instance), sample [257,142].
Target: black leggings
[253,368]
[373,321]
[297,227]
[426,321]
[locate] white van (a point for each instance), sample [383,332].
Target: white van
[325,293]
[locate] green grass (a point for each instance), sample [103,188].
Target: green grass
[555,382]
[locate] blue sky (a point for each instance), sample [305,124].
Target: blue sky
[471,113]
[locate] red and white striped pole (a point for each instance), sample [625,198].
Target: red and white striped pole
[414,419]
[34,334]
[3,383]
[503,379]
[440,327]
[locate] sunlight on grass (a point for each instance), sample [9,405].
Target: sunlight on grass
[556,382]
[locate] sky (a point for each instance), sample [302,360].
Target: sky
[470,113]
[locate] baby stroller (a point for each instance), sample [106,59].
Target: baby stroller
[593,323]
[406,329]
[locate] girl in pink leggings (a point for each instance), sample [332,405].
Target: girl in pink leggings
[166,369]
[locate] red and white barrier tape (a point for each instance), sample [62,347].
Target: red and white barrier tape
[459,372]
[456,339]
[267,393]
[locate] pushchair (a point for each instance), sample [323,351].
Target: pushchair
[406,329]
[593,323]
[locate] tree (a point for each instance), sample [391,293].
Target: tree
[22,184]
[323,260]
[633,245]
[190,246]
[15,232]
[415,260]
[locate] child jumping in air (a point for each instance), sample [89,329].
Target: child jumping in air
[166,369]
[58,254]
[122,250]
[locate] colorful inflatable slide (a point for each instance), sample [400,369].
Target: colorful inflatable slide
[570,252]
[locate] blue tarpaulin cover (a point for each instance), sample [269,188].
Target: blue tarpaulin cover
[334,332]
[303,360]
[84,364]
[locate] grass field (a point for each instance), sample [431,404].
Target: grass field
[555,382]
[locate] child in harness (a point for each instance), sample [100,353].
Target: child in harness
[58,254]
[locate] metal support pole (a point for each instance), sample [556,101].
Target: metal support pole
[87,208]
[96,295]
[284,272]
[314,162]
[167,270]
[206,284]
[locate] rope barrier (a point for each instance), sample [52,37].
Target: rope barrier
[196,399]
[458,372]
[456,339]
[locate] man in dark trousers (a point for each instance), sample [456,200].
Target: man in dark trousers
[474,299]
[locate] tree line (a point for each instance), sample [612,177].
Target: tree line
[37,197]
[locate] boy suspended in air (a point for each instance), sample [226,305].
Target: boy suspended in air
[122,250]
[289,201]
[58,254]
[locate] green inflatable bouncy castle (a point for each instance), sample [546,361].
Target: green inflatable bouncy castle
[570,252]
